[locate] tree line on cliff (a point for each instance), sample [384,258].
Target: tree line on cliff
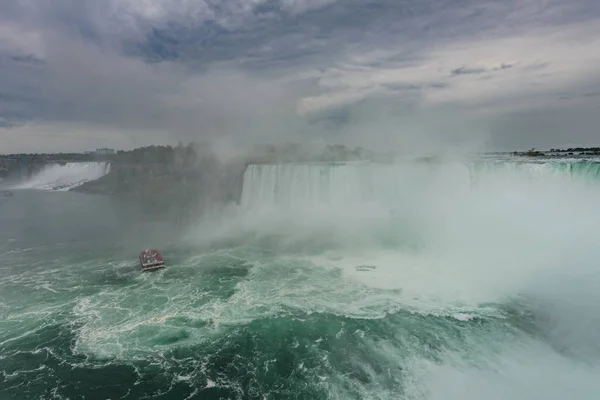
[183,179]
[189,155]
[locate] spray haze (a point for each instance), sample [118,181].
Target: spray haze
[446,235]
[508,242]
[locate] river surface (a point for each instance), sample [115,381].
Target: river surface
[325,283]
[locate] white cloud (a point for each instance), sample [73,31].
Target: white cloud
[506,72]
[15,40]
[300,6]
[231,14]
[64,137]
[392,69]
[337,99]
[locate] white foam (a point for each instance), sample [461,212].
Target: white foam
[440,247]
[527,372]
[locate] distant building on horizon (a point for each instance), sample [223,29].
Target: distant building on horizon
[105,152]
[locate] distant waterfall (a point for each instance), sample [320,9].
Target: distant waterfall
[67,176]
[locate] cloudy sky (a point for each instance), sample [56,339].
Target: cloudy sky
[498,75]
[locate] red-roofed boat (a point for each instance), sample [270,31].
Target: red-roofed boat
[151,260]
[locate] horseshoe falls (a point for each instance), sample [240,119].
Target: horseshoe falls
[413,280]
[293,184]
[297,184]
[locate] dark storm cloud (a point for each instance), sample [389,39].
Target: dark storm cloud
[147,70]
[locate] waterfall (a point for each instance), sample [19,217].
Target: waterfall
[65,177]
[306,184]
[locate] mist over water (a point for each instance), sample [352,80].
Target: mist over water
[514,241]
[413,280]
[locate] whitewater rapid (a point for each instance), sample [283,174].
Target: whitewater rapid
[63,177]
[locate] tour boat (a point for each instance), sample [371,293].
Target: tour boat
[151,260]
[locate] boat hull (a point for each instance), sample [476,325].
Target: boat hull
[150,268]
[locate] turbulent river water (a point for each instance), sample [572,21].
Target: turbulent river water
[352,281]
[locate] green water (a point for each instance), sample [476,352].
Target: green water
[272,316]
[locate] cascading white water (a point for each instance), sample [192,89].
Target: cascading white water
[67,176]
[310,184]
[296,184]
